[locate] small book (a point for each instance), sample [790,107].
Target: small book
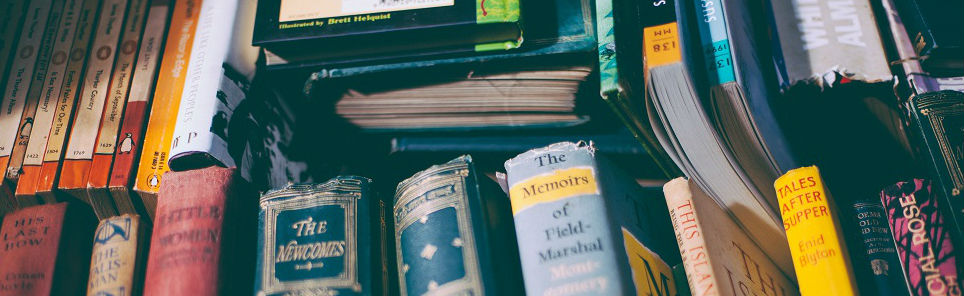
[927,250]
[322,239]
[814,234]
[202,243]
[585,227]
[452,234]
[46,250]
[880,259]
[118,258]
[718,256]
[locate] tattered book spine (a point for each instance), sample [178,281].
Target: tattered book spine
[924,243]
[117,262]
[335,220]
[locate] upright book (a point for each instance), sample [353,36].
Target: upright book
[880,259]
[119,255]
[13,12]
[934,27]
[341,221]
[584,227]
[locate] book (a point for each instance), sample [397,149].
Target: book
[821,260]
[13,12]
[118,92]
[76,18]
[19,78]
[933,29]
[584,227]
[450,228]
[118,257]
[718,256]
[75,169]
[131,134]
[45,250]
[880,255]
[201,242]
[927,251]
[358,29]
[152,162]
[341,220]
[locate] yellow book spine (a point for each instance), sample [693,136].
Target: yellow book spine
[813,233]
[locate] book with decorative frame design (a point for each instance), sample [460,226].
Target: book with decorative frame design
[119,256]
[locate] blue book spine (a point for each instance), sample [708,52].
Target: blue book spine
[879,249]
[715,41]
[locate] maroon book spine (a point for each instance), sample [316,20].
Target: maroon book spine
[186,255]
[924,244]
[43,250]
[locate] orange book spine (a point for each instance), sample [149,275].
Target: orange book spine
[170,83]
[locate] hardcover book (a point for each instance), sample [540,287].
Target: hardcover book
[934,27]
[45,250]
[820,256]
[450,233]
[202,243]
[118,92]
[118,258]
[928,253]
[583,226]
[341,220]
[352,30]
[74,32]
[131,134]
[880,256]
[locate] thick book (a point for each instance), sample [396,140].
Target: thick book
[152,161]
[451,234]
[583,226]
[879,254]
[46,250]
[814,234]
[341,221]
[131,134]
[202,243]
[118,257]
[935,31]
[290,29]
[928,253]
[75,169]
[718,256]
[13,12]
[75,26]
[19,78]
[117,94]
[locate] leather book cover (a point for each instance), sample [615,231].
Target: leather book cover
[119,256]
[45,250]
[202,243]
[131,135]
[322,239]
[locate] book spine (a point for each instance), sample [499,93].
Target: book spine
[152,162]
[697,261]
[75,169]
[820,256]
[334,218]
[925,246]
[714,40]
[561,222]
[201,134]
[606,40]
[116,263]
[76,22]
[186,244]
[60,128]
[12,11]
[878,247]
[138,102]
[116,100]
[916,26]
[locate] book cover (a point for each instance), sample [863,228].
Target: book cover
[880,255]
[131,134]
[45,249]
[19,78]
[337,219]
[718,256]
[75,169]
[820,255]
[118,257]
[202,243]
[927,251]
[449,236]
[582,226]
[45,171]
[152,162]
[117,94]
[934,27]
[13,12]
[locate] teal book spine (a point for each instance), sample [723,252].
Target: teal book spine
[453,235]
[585,228]
[714,41]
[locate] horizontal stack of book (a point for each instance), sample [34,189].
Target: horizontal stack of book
[500,147]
